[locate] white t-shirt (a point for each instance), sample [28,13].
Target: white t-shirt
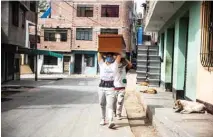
[120,76]
[107,72]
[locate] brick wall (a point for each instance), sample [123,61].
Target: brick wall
[65,16]
[57,45]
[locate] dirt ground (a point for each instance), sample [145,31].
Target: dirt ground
[139,123]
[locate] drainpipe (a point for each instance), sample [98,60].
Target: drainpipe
[36,37]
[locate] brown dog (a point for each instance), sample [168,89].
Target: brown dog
[150,91]
[144,84]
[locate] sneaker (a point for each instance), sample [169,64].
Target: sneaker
[102,122]
[119,117]
[111,125]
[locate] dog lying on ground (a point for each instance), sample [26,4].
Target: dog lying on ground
[150,91]
[187,107]
[144,83]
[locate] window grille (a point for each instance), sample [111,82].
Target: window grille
[206,51]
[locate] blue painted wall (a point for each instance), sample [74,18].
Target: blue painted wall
[194,39]
[87,70]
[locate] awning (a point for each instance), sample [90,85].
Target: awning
[39,52]
[46,52]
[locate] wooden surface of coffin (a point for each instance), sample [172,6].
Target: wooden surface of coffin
[111,43]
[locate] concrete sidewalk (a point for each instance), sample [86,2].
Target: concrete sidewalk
[159,109]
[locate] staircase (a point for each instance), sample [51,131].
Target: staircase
[148,65]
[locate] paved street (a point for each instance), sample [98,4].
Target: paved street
[63,108]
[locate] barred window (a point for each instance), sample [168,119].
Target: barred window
[110,11]
[84,34]
[84,11]
[206,54]
[49,60]
[90,60]
[49,35]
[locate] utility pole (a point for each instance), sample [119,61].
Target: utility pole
[36,38]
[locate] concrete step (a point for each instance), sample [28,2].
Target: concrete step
[154,82]
[154,67]
[142,47]
[153,73]
[153,52]
[153,57]
[159,109]
[142,64]
[157,61]
[142,58]
[142,72]
[142,55]
[141,79]
[153,76]
[142,75]
[144,52]
[141,69]
[153,47]
[154,70]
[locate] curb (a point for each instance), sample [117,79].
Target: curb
[128,127]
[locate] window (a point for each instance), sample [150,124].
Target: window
[90,60]
[109,31]
[15,13]
[63,35]
[110,11]
[83,34]
[207,34]
[84,11]
[146,38]
[22,18]
[33,6]
[49,60]
[49,35]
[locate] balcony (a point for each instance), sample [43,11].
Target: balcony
[159,12]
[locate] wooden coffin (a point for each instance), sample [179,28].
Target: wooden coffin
[111,43]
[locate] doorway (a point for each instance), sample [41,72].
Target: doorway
[186,55]
[78,64]
[173,44]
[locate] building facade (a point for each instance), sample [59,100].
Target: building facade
[186,47]
[15,17]
[73,30]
